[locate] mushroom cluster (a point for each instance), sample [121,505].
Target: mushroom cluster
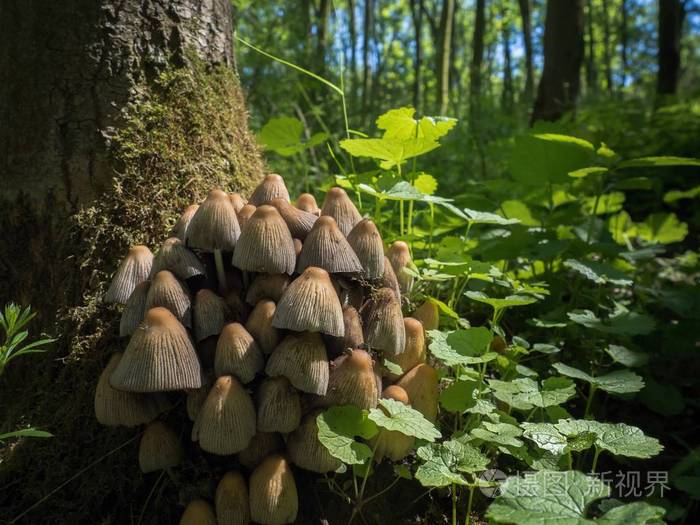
[263,313]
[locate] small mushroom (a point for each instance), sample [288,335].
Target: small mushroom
[273,493]
[133,270]
[298,246]
[399,256]
[179,230]
[245,213]
[326,247]
[383,323]
[306,451]
[237,201]
[134,310]
[175,256]
[265,244]
[428,314]
[414,352]
[262,445]
[272,187]
[168,291]
[307,202]
[231,500]
[353,337]
[198,512]
[237,354]
[210,312]
[389,279]
[421,385]
[160,448]
[367,244]
[392,444]
[279,406]
[267,286]
[301,358]
[299,221]
[197,397]
[261,325]
[352,381]
[338,205]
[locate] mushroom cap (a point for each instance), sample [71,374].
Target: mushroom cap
[396,393]
[389,279]
[399,256]
[262,445]
[175,256]
[210,312]
[271,187]
[307,202]
[168,291]
[231,500]
[134,310]
[197,397]
[428,314]
[367,244]
[383,323]
[237,201]
[301,358]
[310,304]
[265,244]
[298,246]
[261,325]
[134,269]
[326,247]
[159,357]
[267,286]
[338,205]
[279,406]
[198,512]
[421,385]
[160,448]
[238,354]
[226,422]
[306,451]
[352,381]
[179,229]
[214,225]
[414,351]
[353,337]
[245,213]
[114,407]
[273,492]
[299,221]
[392,444]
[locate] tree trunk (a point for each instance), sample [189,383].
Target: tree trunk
[563,53]
[477,53]
[624,41]
[444,47]
[323,15]
[507,94]
[591,69]
[417,17]
[526,17]
[368,23]
[671,17]
[353,51]
[607,43]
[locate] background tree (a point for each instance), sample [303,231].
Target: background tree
[671,17]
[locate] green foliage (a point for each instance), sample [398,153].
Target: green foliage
[12,320]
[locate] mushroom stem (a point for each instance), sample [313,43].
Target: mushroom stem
[246,280]
[220,273]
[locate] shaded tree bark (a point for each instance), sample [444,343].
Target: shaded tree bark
[368,23]
[624,41]
[526,17]
[607,43]
[417,9]
[477,53]
[671,17]
[591,69]
[444,47]
[507,94]
[563,54]
[353,48]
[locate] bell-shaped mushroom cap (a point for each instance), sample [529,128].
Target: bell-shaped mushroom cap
[326,247]
[428,314]
[299,221]
[338,205]
[271,187]
[392,444]
[301,358]
[245,213]
[237,201]
[179,230]
[273,493]
[265,244]
[160,448]
[197,397]
[389,279]
[114,407]
[261,326]
[168,291]
[238,354]
[310,304]
[210,312]
[159,357]
[383,323]
[267,286]
[198,512]
[352,381]
[133,270]
[400,257]
[262,445]
[306,451]
[421,385]
[279,406]
[231,500]
[175,256]
[353,337]
[367,244]
[307,202]
[215,225]
[226,422]
[414,352]
[134,310]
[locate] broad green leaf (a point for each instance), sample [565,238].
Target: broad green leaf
[395,416]
[664,228]
[607,203]
[626,357]
[658,162]
[622,227]
[393,368]
[545,436]
[337,428]
[25,432]
[426,184]
[663,398]
[390,152]
[500,433]
[524,393]
[585,172]
[461,347]
[676,195]
[513,209]
[637,513]
[621,321]
[284,136]
[459,396]
[443,463]
[617,382]
[499,304]
[484,217]
[599,273]
[617,438]
[400,124]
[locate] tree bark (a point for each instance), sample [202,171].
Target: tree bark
[444,48]
[417,18]
[671,17]
[353,50]
[526,17]
[624,41]
[607,43]
[367,33]
[563,54]
[591,69]
[507,94]
[477,53]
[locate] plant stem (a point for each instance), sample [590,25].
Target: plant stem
[454,504]
[467,519]
[597,452]
[401,217]
[220,273]
[589,402]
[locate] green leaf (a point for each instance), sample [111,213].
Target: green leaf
[621,321]
[599,273]
[337,428]
[607,203]
[676,195]
[658,162]
[461,347]
[518,210]
[484,217]
[426,184]
[626,357]
[617,382]
[284,136]
[25,432]
[664,228]
[443,463]
[545,436]
[396,416]
[524,393]
[390,152]
[393,368]
[585,172]
[638,512]
[617,438]
[400,124]
[500,304]
[459,396]
[501,433]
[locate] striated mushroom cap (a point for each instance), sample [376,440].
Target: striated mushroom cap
[231,500]
[415,351]
[383,323]
[399,256]
[353,337]
[238,354]
[267,286]
[226,422]
[210,312]
[298,221]
[389,280]
[175,257]
[421,385]
[326,247]
[114,407]
[301,358]
[367,244]
[197,397]
[134,310]
[352,381]
[307,202]
[391,443]
[214,226]
[261,325]
[168,291]
[265,244]
[273,493]
[179,230]
[428,314]
[245,213]
[159,357]
[338,205]
[310,304]
[160,448]
[237,201]
[298,246]
[272,187]
[262,445]
[306,451]
[133,270]
[279,406]
[198,512]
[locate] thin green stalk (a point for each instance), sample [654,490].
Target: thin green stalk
[454,504]
[467,519]
[597,452]
[589,402]
[401,211]
[432,227]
